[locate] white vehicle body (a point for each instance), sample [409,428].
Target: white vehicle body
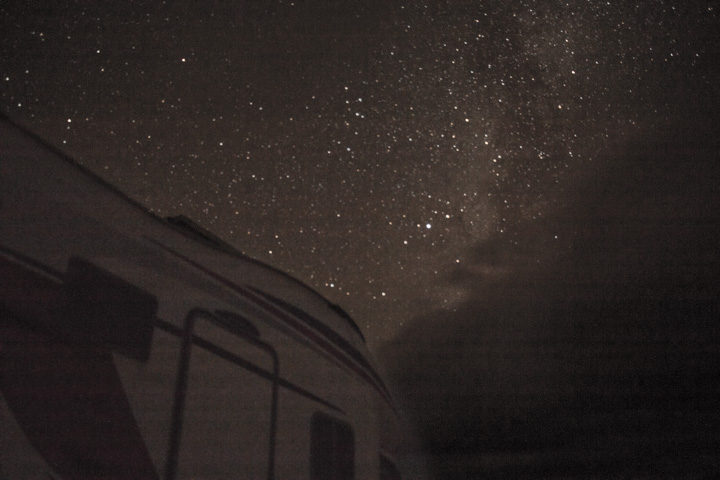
[133,346]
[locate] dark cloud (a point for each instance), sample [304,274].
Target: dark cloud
[590,344]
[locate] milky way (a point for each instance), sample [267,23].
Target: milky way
[361,146]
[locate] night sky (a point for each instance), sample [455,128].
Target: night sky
[455,174]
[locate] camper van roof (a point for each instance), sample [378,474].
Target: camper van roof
[185,225]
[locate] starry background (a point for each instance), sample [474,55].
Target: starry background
[455,174]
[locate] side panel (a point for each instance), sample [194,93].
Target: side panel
[50,211]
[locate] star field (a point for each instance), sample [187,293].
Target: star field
[363,147]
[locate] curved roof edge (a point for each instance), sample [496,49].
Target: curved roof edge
[182,224]
[190,228]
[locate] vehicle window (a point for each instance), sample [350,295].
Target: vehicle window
[69,403]
[332,449]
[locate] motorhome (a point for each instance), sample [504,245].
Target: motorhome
[135,346]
